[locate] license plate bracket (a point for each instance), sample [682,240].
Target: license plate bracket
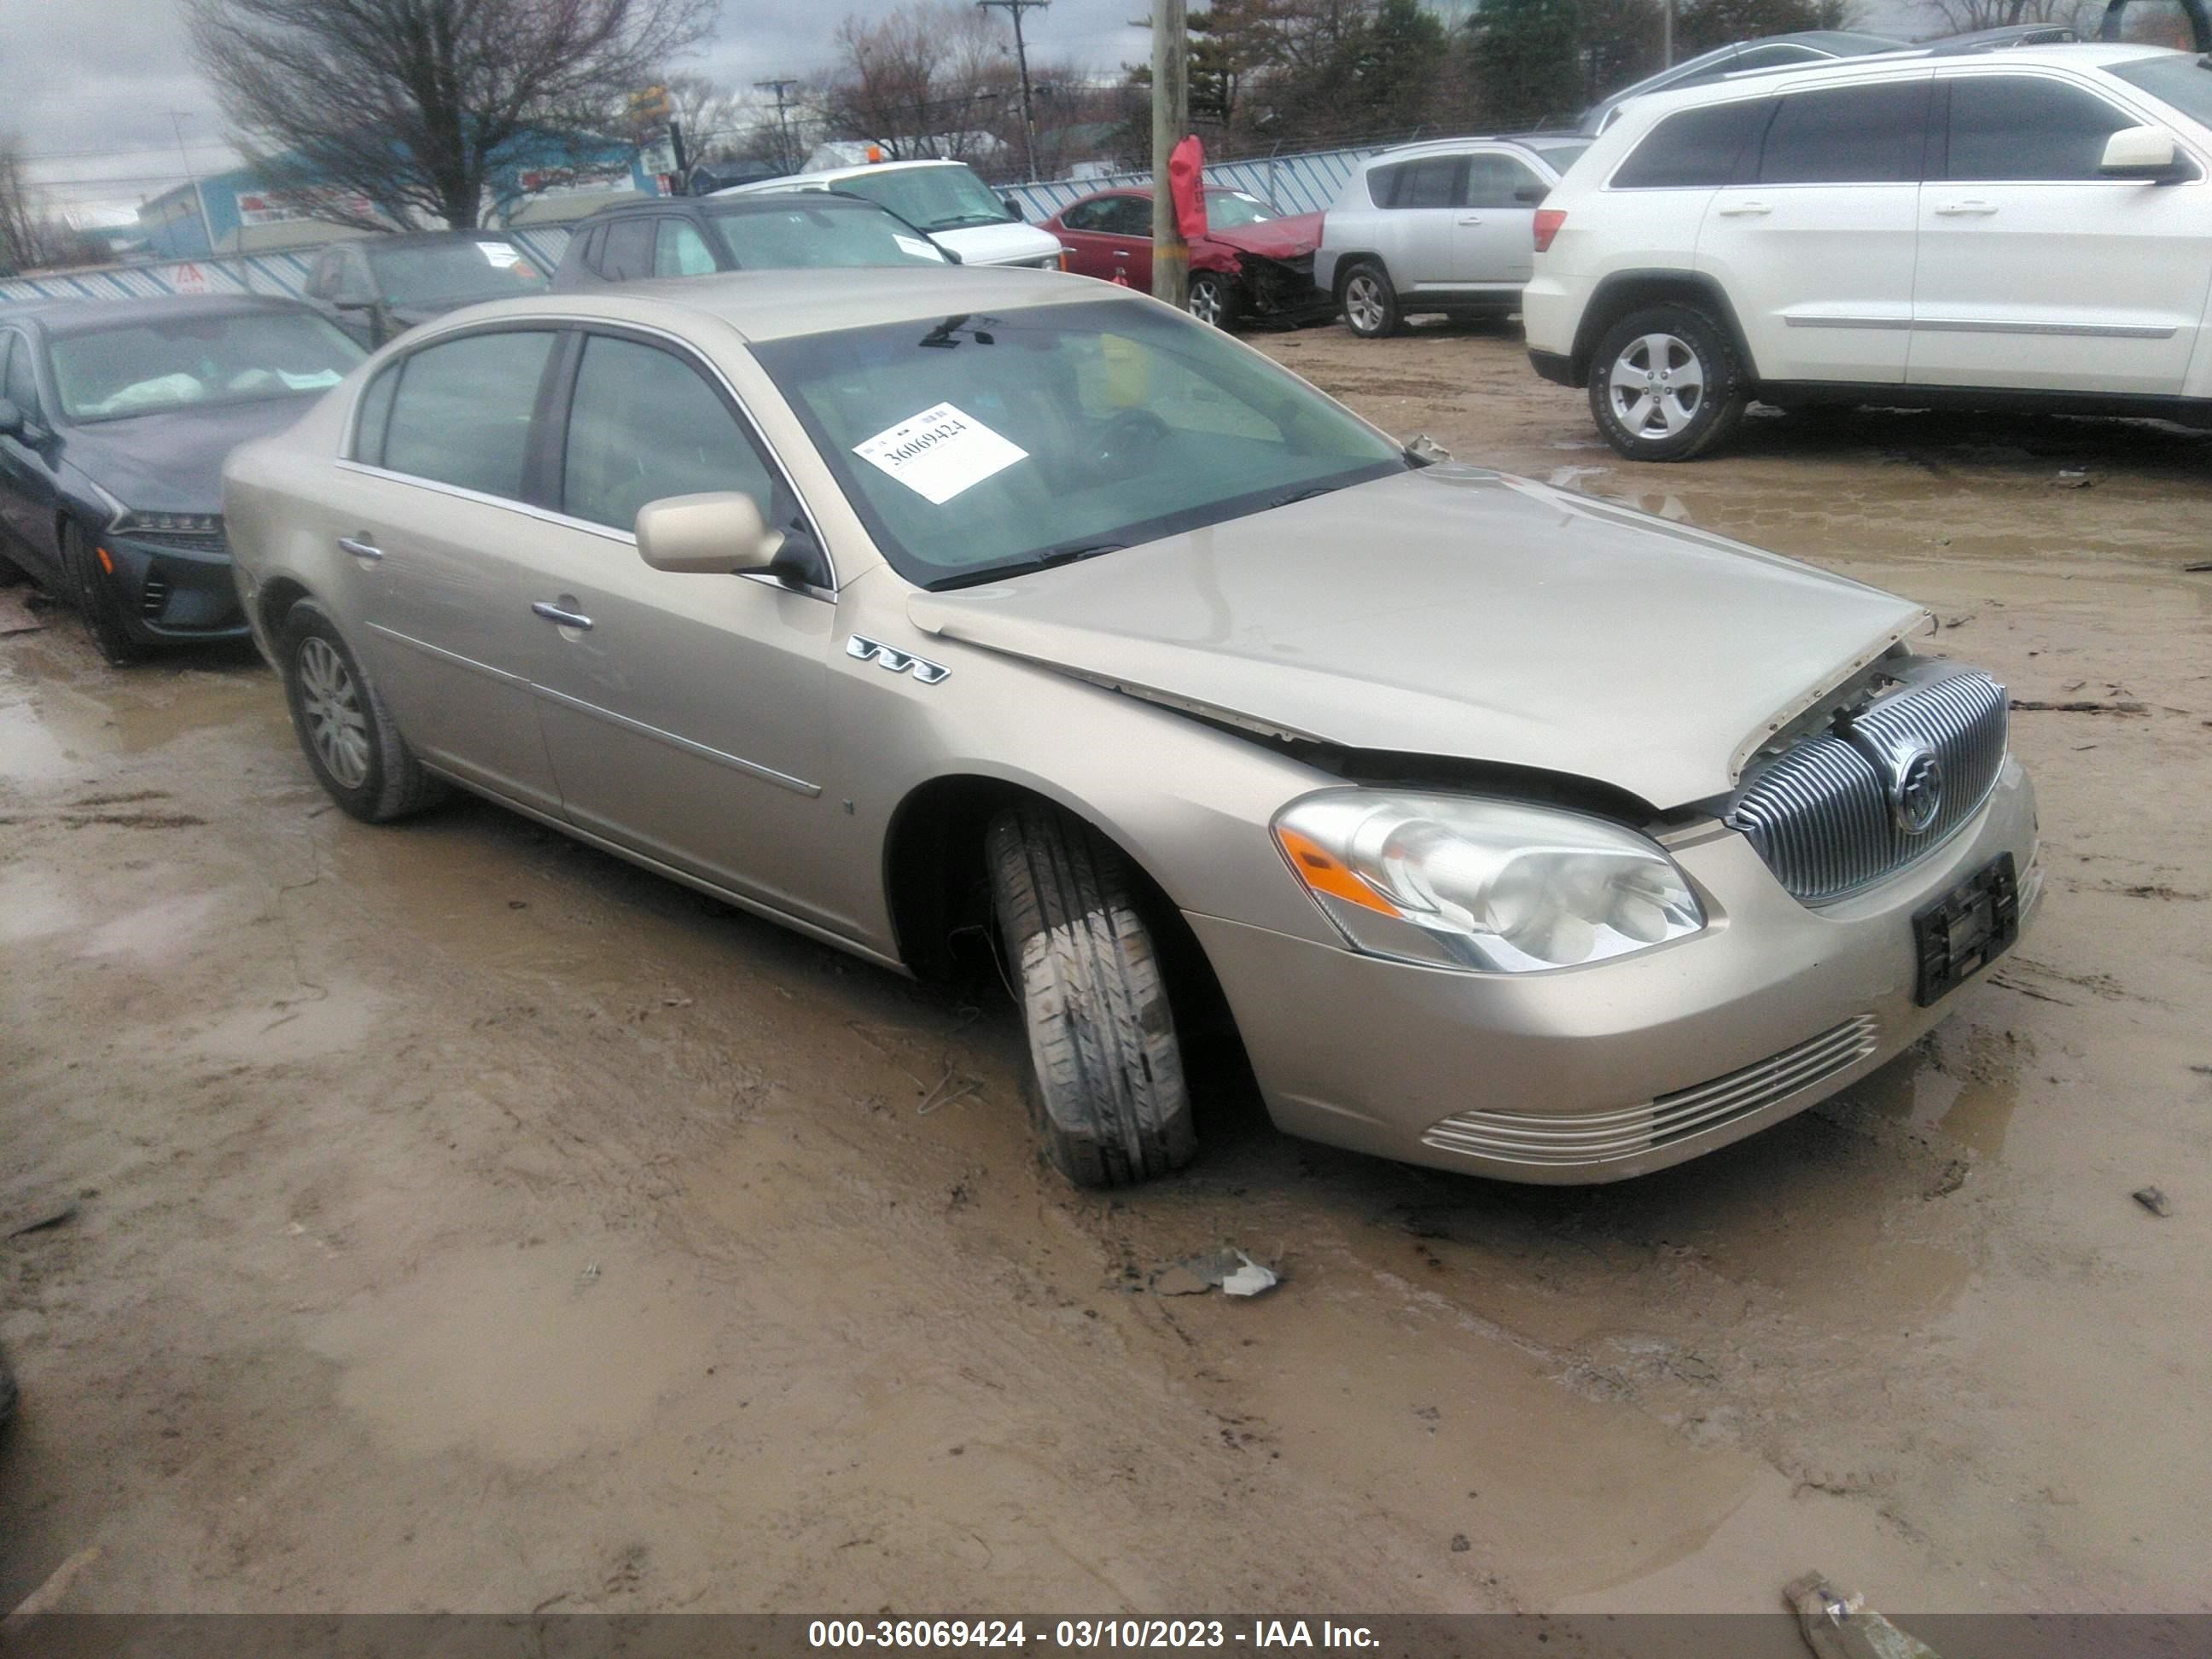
[1958,935]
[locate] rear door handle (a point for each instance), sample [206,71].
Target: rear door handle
[1745,210]
[1470,219]
[1967,210]
[554,613]
[359,549]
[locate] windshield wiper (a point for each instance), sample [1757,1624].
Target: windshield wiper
[1043,560]
[1305,495]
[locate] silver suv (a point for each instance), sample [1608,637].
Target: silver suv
[1440,226]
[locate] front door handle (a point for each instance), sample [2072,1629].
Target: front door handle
[359,549]
[554,613]
[1967,210]
[1745,210]
[1470,219]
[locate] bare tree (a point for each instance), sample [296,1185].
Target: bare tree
[928,79]
[1961,16]
[414,106]
[715,118]
[32,235]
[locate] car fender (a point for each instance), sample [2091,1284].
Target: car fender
[1620,292]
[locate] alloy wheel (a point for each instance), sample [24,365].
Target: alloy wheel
[336,724]
[1656,386]
[1205,303]
[1362,303]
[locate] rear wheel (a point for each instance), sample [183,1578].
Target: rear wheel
[344,729]
[92,589]
[1665,384]
[1215,299]
[1371,303]
[1106,1093]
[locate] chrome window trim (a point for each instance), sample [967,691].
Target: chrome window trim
[555,324]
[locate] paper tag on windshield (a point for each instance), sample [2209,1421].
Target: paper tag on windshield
[940,453]
[499,253]
[916,246]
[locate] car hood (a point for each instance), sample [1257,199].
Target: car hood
[1007,243]
[1457,612]
[173,462]
[1291,238]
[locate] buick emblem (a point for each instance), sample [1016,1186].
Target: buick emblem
[1916,787]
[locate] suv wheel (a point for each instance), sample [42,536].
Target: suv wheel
[1107,1095]
[1371,304]
[347,735]
[1665,384]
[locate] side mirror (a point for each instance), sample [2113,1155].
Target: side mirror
[1013,209]
[717,534]
[2142,152]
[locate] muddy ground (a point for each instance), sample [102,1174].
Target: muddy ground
[464,1220]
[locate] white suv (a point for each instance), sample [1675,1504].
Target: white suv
[2029,228]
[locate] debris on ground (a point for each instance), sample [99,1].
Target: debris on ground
[2078,705]
[1459,1544]
[2154,1200]
[2198,566]
[1839,1627]
[38,1220]
[2074,477]
[1231,1271]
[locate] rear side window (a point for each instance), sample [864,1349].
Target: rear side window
[1695,149]
[2021,126]
[644,424]
[461,412]
[626,253]
[1431,183]
[1848,136]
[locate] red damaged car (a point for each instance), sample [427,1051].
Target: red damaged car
[1254,264]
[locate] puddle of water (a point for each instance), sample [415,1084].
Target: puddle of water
[158,933]
[528,1356]
[1964,1088]
[270,1034]
[28,751]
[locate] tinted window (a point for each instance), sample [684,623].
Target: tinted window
[1694,148]
[1085,216]
[1495,182]
[644,425]
[21,386]
[626,253]
[1130,216]
[1434,183]
[1850,136]
[461,414]
[2018,126]
[679,250]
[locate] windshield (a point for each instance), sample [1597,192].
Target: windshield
[149,368]
[976,447]
[802,230]
[935,198]
[2173,78]
[461,272]
[1230,208]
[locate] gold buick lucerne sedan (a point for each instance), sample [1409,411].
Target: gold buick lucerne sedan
[1517,833]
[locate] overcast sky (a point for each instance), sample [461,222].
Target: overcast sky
[89,86]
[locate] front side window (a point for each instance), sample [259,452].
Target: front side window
[935,198]
[196,360]
[679,250]
[975,446]
[1694,148]
[462,272]
[644,425]
[460,413]
[2026,127]
[1086,215]
[1500,181]
[1847,136]
[1129,215]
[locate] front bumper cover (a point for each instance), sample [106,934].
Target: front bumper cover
[174,589]
[1621,1067]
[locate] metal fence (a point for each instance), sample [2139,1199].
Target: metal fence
[1293,184]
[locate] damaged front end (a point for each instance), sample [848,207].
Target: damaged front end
[1282,290]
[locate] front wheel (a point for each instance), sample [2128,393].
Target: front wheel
[1107,1095]
[1214,300]
[1665,384]
[347,735]
[1371,303]
[92,586]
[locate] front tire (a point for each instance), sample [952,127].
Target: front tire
[1666,384]
[344,729]
[1215,300]
[1107,1098]
[1370,302]
[94,595]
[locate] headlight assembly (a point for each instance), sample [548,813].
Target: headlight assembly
[167,524]
[1462,882]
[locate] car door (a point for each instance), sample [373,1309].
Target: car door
[431,510]
[2038,271]
[1816,245]
[1493,235]
[26,482]
[1419,226]
[1128,222]
[1082,232]
[684,713]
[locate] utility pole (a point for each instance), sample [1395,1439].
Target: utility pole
[783,155]
[1170,116]
[1015,9]
[1667,35]
[199,191]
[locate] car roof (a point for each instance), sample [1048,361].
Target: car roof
[791,180]
[67,317]
[423,238]
[769,304]
[1451,146]
[2079,54]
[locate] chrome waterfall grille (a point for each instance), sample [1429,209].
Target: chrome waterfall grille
[1601,1137]
[1845,807]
